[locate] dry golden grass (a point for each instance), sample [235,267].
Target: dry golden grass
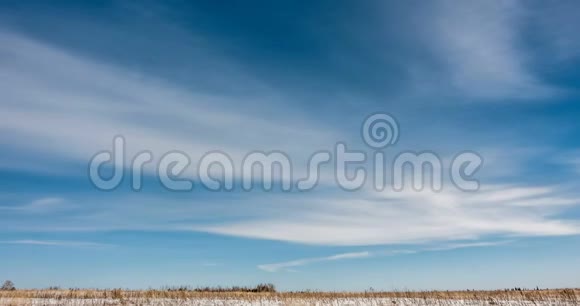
[514,295]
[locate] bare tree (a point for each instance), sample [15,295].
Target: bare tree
[8,286]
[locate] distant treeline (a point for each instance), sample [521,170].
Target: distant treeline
[258,288]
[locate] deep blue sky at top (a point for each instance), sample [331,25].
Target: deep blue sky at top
[498,78]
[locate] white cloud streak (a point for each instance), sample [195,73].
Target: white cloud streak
[301,262]
[415,217]
[70,107]
[285,266]
[41,205]
[480,44]
[355,219]
[56,243]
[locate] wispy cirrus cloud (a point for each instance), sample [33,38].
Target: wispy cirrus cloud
[56,243]
[79,104]
[285,266]
[480,45]
[305,261]
[86,102]
[41,205]
[415,217]
[325,218]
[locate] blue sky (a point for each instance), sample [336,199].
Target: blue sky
[498,78]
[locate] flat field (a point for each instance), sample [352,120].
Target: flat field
[193,298]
